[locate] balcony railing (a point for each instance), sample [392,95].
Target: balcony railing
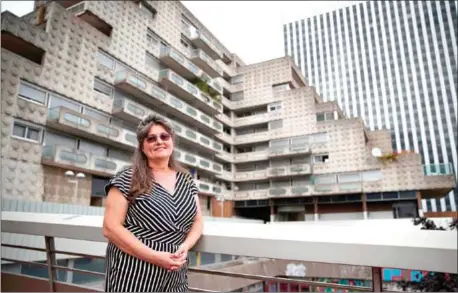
[251,120]
[66,157]
[251,194]
[201,59]
[291,191]
[198,161]
[184,89]
[73,122]
[209,188]
[251,156]
[251,175]
[290,150]
[298,169]
[203,42]
[82,236]
[132,83]
[252,137]
[438,169]
[179,63]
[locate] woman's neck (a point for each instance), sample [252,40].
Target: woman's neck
[159,166]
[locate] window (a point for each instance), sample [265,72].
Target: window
[320,158]
[25,131]
[29,92]
[102,87]
[185,42]
[105,60]
[276,124]
[274,107]
[349,177]
[56,101]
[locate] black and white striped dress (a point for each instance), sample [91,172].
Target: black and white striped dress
[161,221]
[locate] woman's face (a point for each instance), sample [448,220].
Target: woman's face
[158,144]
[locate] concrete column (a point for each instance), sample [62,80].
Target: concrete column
[364,200]
[272,211]
[420,208]
[315,208]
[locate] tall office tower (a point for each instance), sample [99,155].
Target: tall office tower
[393,63]
[78,76]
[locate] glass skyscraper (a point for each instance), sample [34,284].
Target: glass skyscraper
[393,63]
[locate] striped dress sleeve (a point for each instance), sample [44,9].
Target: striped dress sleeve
[122,181]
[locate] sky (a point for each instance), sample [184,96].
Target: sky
[253,34]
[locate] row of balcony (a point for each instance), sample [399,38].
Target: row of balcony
[128,81]
[182,66]
[73,122]
[188,92]
[66,157]
[303,190]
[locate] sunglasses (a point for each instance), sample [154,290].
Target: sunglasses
[153,138]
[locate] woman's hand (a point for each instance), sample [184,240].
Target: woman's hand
[181,254]
[166,260]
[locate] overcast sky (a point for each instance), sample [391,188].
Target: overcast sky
[251,29]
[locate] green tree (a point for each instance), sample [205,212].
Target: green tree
[433,281]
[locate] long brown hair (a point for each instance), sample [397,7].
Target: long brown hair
[142,175]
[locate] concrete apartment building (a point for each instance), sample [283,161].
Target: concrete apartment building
[394,64]
[77,76]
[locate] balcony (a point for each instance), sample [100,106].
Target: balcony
[203,42]
[250,157]
[72,122]
[188,92]
[43,239]
[252,120]
[178,63]
[289,151]
[197,139]
[226,175]
[250,175]
[227,138]
[287,171]
[69,158]
[290,191]
[227,87]
[225,119]
[198,162]
[252,137]
[133,84]
[85,10]
[251,194]
[201,59]
[23,39]
[225,156]
[438,169]
[207,188]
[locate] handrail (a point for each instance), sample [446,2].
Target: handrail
[315,243]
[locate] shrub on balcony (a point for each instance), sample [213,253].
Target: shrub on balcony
[203,86]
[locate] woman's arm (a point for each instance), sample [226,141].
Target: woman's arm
[114,230]
[197,227]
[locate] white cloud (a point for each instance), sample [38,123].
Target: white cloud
[251,29]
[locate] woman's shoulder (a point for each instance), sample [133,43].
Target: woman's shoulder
[125,173]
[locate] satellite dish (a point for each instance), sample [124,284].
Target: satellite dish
[376,152]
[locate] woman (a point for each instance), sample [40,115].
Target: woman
[152,217]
